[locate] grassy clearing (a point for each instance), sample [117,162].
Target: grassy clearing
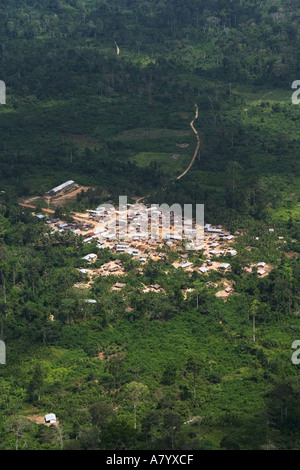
[169,163]
[284,214]
[153,133]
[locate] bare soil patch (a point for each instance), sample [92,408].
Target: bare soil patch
[62,199]
[100,356]
[292,254]
[39,419]
[267,268]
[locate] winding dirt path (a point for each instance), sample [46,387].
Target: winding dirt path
[197,147]
[138,201]
[34,207]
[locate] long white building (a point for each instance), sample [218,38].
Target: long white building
[59,188]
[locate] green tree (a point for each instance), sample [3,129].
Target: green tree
[35,386]
[19,426]
[102,414]
[194,365]
[254,309]
[150,423]
[172,423]
[136,392]
[169,374]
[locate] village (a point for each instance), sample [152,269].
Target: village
[144,233]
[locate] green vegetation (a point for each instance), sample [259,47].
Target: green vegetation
[180,368]
[118,372]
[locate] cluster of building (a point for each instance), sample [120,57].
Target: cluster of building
[133,230]
[77,227]
[141,232]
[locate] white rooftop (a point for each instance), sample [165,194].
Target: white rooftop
[50,418]
[225,265]
[62,186]
[186,265]
[203,269]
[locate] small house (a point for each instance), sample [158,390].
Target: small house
[113,269]
[186,265]
[50,418]
[119,285]
[232,252]
[90,257]
[225,266]
[88,240]
[156,287]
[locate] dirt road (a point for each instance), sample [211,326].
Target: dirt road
[197,147]
[34,207]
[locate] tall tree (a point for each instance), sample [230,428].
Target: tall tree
[194,365]
[136,392]
[172,422]
[254,309]
[36,384]
[18,425]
